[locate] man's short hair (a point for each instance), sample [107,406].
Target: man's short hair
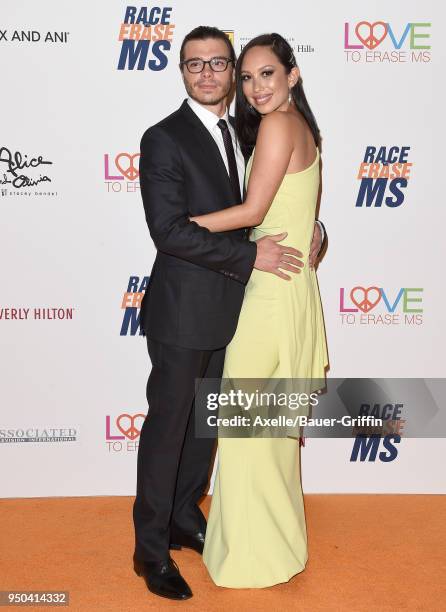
[204,32]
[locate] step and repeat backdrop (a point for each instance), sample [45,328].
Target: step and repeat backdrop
[81,82]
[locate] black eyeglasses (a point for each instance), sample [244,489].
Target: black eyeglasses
[217,64]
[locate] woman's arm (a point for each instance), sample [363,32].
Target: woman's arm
[274,147]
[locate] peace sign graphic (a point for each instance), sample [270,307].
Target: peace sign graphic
[129,428]
[365,31]
[131,172]
[363,302]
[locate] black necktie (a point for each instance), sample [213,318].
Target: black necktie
[232,164]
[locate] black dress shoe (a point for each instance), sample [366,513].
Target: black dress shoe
[163,578]
[179,538]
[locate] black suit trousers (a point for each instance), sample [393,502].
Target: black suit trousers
[173,465]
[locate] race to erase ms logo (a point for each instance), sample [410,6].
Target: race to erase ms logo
[121,172]
[146,36]
[383,173]
[378,306]
[131,304]
[383,42]
[122,432]
[368,440]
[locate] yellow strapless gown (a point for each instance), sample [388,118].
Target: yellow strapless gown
[256,533]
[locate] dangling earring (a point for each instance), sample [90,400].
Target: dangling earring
[290,97]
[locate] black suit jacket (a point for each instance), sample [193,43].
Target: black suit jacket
[198,279]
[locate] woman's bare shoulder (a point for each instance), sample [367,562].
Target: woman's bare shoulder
[275,127]
[279,119]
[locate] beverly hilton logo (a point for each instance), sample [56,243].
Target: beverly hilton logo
[375,306]
[122,432]
[36,314]
[230,35]
[386,43]
[297,46]
[121,172]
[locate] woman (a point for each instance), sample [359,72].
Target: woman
[256,533]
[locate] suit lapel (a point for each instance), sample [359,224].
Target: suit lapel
[212,160]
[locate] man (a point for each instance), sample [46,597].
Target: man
[190,164]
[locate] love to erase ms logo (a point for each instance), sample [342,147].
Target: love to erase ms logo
[146,35]
[131,304]
[400,307]
[383,42]
[383,173]
[121,172]
[122,432]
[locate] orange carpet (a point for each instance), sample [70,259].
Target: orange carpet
[367,552]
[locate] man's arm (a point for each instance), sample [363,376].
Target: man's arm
[323,232]
[318,242]
[319,233]
[167,214]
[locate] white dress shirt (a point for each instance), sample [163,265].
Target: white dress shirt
[210,120]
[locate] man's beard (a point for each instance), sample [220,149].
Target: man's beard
[205,100]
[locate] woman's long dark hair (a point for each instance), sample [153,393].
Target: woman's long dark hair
[247,119]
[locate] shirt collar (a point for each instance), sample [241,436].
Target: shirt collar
[207,117]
